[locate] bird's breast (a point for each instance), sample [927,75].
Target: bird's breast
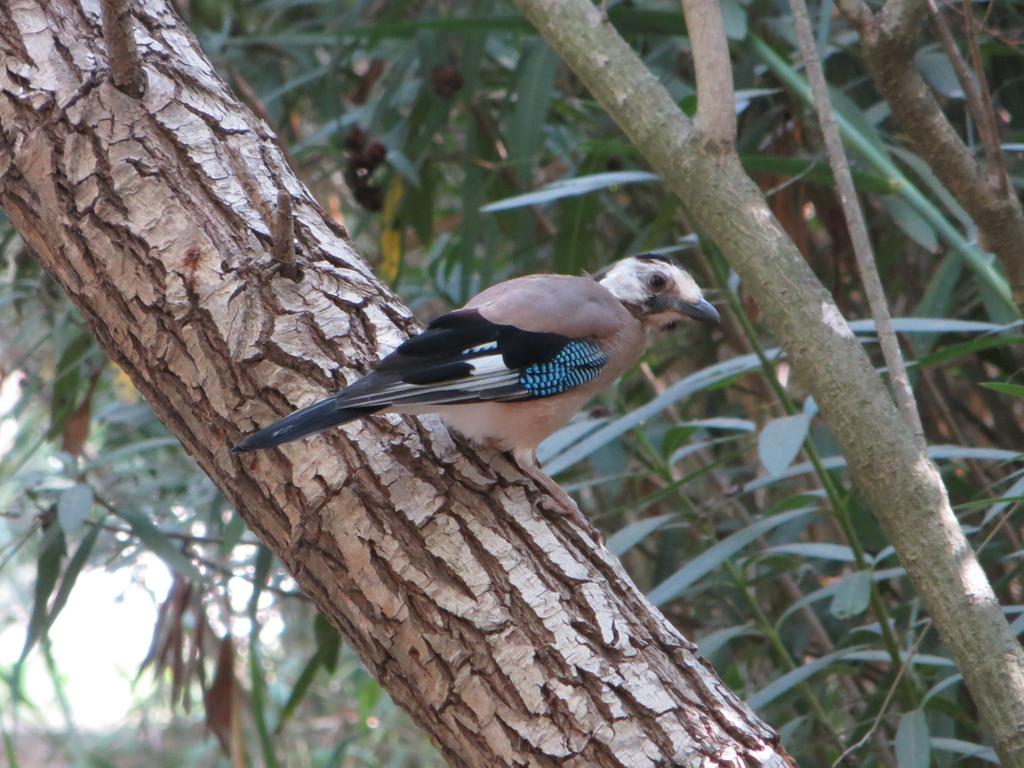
[512,426]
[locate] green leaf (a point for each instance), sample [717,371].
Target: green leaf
[714,556]
[683,388]
[913,224]
[51,552]
[534,91]
[298,692]
[328,646]
[160,544]
[795,677]
[261,571]
[882,574]
[1005,388]
[258,699]
[913,749]
[624,539]
[835,552]
[780,442]
[734,18]
[75,565]
[806,169]
[851,598]
[935,452]
[918,659]
[233,533]
[1011,496]
[566,437]
[946,682]
[930,325]
[576,239]
[73,507]
[69,382]
[965,748]
[328,642]
[9,750]
[581,185]
[958,351]
[715,641]
[934,65]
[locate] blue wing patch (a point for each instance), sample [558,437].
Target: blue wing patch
[576,363]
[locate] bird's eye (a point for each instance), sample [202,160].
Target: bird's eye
[657,281]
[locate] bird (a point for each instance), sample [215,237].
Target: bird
[518,361]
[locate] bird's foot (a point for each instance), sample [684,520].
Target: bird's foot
[567,508]
[560,503]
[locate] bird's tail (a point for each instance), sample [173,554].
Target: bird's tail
[313,418]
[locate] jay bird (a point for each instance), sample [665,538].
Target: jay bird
[518,361]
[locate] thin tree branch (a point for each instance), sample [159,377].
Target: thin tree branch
[979,107]
[125,67]
[857,11]
[283,248]
[899,18]
[716,107]
[872,731]
[986,117]
[903,392]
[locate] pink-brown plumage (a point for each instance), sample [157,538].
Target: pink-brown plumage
[518,361]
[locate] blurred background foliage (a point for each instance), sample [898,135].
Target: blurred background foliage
[458,151]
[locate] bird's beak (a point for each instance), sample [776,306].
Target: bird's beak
[701,310]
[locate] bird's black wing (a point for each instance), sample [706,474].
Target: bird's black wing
[460,357]
[463,357]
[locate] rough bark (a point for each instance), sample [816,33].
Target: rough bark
[903,487]
[511,638]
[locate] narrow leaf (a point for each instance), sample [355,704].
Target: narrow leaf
[1005,388]
[710,644]
[823,551]
[780,442]
[580,185]
[882,574]
[714,556]
[51,552]
[160,544]
[298,692]
[791,679]
[683,388]
[913,749]
[851,599]
[966,748]
[73,507]
[75,565]
[624,539]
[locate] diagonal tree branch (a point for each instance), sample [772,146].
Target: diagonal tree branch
[904,393]
[888,40]
[716,108]
[986,117]
[903,487]
[980,109]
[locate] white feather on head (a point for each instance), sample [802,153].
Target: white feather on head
[630,279]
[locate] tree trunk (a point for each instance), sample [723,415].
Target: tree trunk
[511,638]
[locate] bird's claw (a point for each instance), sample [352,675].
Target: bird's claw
[571,512]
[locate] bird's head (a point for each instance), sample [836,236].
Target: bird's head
[657,291]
